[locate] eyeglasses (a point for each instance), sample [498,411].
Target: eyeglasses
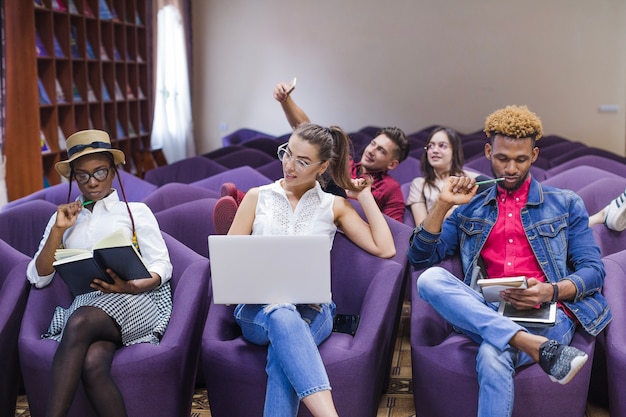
[441,145]
[99,174]
[299,164]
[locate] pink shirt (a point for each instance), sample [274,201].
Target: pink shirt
[507,252]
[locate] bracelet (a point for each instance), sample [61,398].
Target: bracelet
[555,295]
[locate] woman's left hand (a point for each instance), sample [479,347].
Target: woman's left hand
[359,182]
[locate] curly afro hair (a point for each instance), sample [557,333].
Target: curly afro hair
[514,122]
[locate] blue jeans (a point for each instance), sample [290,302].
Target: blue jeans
[294,366]
[467,311]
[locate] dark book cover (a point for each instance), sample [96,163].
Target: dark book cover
[105,12]
[74,43]
[78,275]
[58,51]
[40,47]
[87,9]
[43,94]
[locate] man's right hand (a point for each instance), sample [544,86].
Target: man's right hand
[458,190]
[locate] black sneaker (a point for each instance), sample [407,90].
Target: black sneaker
[561,362]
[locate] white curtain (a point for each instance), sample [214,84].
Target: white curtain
[172,129]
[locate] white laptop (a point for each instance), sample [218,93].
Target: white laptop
[255,269]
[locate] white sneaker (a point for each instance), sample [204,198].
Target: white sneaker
[615,213]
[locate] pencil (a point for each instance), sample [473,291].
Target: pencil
[489,181]
[88,202]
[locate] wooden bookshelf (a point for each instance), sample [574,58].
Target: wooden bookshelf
[91,57]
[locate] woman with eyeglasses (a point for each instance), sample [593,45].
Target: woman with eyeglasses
[442,158]
[297,205]
[97,323]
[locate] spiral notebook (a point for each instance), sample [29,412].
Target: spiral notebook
[256,269]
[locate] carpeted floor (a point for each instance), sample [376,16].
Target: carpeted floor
[396,402]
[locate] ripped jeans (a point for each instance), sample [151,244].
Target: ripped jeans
[294,366]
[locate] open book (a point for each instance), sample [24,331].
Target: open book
[543,315]
[78,267]
[491,287]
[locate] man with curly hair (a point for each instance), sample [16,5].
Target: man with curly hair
[519,227]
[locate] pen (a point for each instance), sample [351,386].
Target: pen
[88,202]
[489,181]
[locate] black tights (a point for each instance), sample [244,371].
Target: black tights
[86,353]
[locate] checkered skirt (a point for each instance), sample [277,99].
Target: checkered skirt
[141,317]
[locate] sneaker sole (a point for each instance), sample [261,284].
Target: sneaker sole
[577,363]
[223,214]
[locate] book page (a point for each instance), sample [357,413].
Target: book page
[71,254]
[114,240]
[491,287]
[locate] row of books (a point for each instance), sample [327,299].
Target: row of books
[121,133]
[42,51]
[105,12]
[44,98]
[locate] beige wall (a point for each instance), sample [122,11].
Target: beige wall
[411,63]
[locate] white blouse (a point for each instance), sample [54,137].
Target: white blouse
[313,214]
[109,215]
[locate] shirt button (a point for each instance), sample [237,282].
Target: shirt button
[510,214]
[508,263]
[510,240]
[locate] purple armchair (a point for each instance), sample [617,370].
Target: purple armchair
[246,156]
[22,226]
[176,193]
[361,284]
[13,294]
[444,370]
[136,190]
[184,171]
[597,161]
[269,145]
[406,170]
[613,341]
[241,136]
[577,177]
[190,223]
[243,177]
[599,193]
[154,380]
[272,170]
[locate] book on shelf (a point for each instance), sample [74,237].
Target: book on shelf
[103,53]
[142,129]
[58,51]
[118,91]
[129,91]
[43,143]
[39,46]
[131,129]
[91,95]
[105,12]
[60,95]
[38,3]
[542,315]
[491,287]
[105,92]
[74,42]
[61,139]
[140,92]
[91,125]
[90,52]
[78,267]
[72,6]
[120,130]
[43,94]
[76,93]
[138,21]
[58,5]
[116,54]
[87,9]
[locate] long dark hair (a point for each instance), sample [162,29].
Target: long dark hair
[456,167]
[333,145]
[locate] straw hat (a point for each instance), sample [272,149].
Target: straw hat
[84,143]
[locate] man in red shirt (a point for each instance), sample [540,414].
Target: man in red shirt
[382,154]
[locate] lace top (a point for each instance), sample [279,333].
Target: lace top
[313,214]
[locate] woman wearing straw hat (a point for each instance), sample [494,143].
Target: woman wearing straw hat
[97,323]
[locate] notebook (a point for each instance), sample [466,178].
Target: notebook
[255,269]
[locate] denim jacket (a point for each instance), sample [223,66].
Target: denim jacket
[556,224]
